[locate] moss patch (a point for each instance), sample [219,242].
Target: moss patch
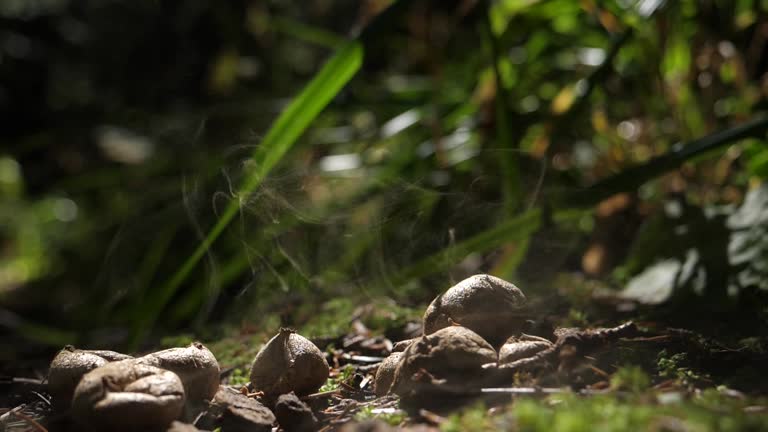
[712,409]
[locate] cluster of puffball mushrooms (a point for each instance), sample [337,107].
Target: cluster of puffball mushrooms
[105,390]
[462,329]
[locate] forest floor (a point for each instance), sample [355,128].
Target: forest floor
[659,378]
[644,376]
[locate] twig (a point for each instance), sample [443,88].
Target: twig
[30,420]
[431,417]
[525,390]
[29,381]
[9,412]
[362,358]
[321,394]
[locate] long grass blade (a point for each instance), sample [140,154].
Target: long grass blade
[279,139]
[634,177]
[516,228]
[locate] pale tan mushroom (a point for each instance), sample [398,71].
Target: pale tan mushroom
[449,360]
[520,347]
[69,366]
[483,303]
[402,345]
[127,395]
[195,365]
[385,374]
[289,363]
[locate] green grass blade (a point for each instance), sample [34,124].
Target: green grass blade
[279,139]
[517,228]
[504,140]
[635,176]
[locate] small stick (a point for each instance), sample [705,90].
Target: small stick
[321,394]
[524,390]
[9,412]
[431,417]
[362,358]
[31,421]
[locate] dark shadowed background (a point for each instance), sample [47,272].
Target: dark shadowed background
[553,143]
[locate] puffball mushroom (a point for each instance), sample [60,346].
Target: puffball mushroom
[385,374]
[288,363]
[127,395]
[69,366]
[520,347]
[448,358]
[195,365]
[483,303]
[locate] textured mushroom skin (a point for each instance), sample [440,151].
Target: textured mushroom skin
[195,365]
[385,374]
[520,347]
[69,366]
[127,395]
[289,363]
[482,303]
[403,345]
[452,355]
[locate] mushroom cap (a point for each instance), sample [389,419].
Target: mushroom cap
[128,395]
[195,365]
[288,363]
[403,344]
[486,304]
[385,374]
[449,357]
[69,366]
[520,347]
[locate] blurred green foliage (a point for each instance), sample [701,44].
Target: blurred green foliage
[156,173]
[711,410]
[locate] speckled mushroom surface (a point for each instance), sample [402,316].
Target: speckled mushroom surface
[520,347]
[288,363]
[385,374]
[488,305]
[449,358]
[69,366]
[128,396]
[195,365]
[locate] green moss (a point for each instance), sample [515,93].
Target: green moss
[473,418]
[239,377]
[235,347]
[331,319]
[711,410]
[383,314]
[630,378]
[332,383]
[576,318]
[678,366]
[394,418]
[180,340]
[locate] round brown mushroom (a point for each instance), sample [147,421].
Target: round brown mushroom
[127,395]
[520,347]
[385,374]
[447,360]
[289,363]
[69,366]
[402,345]
[195,365]
[483,303]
